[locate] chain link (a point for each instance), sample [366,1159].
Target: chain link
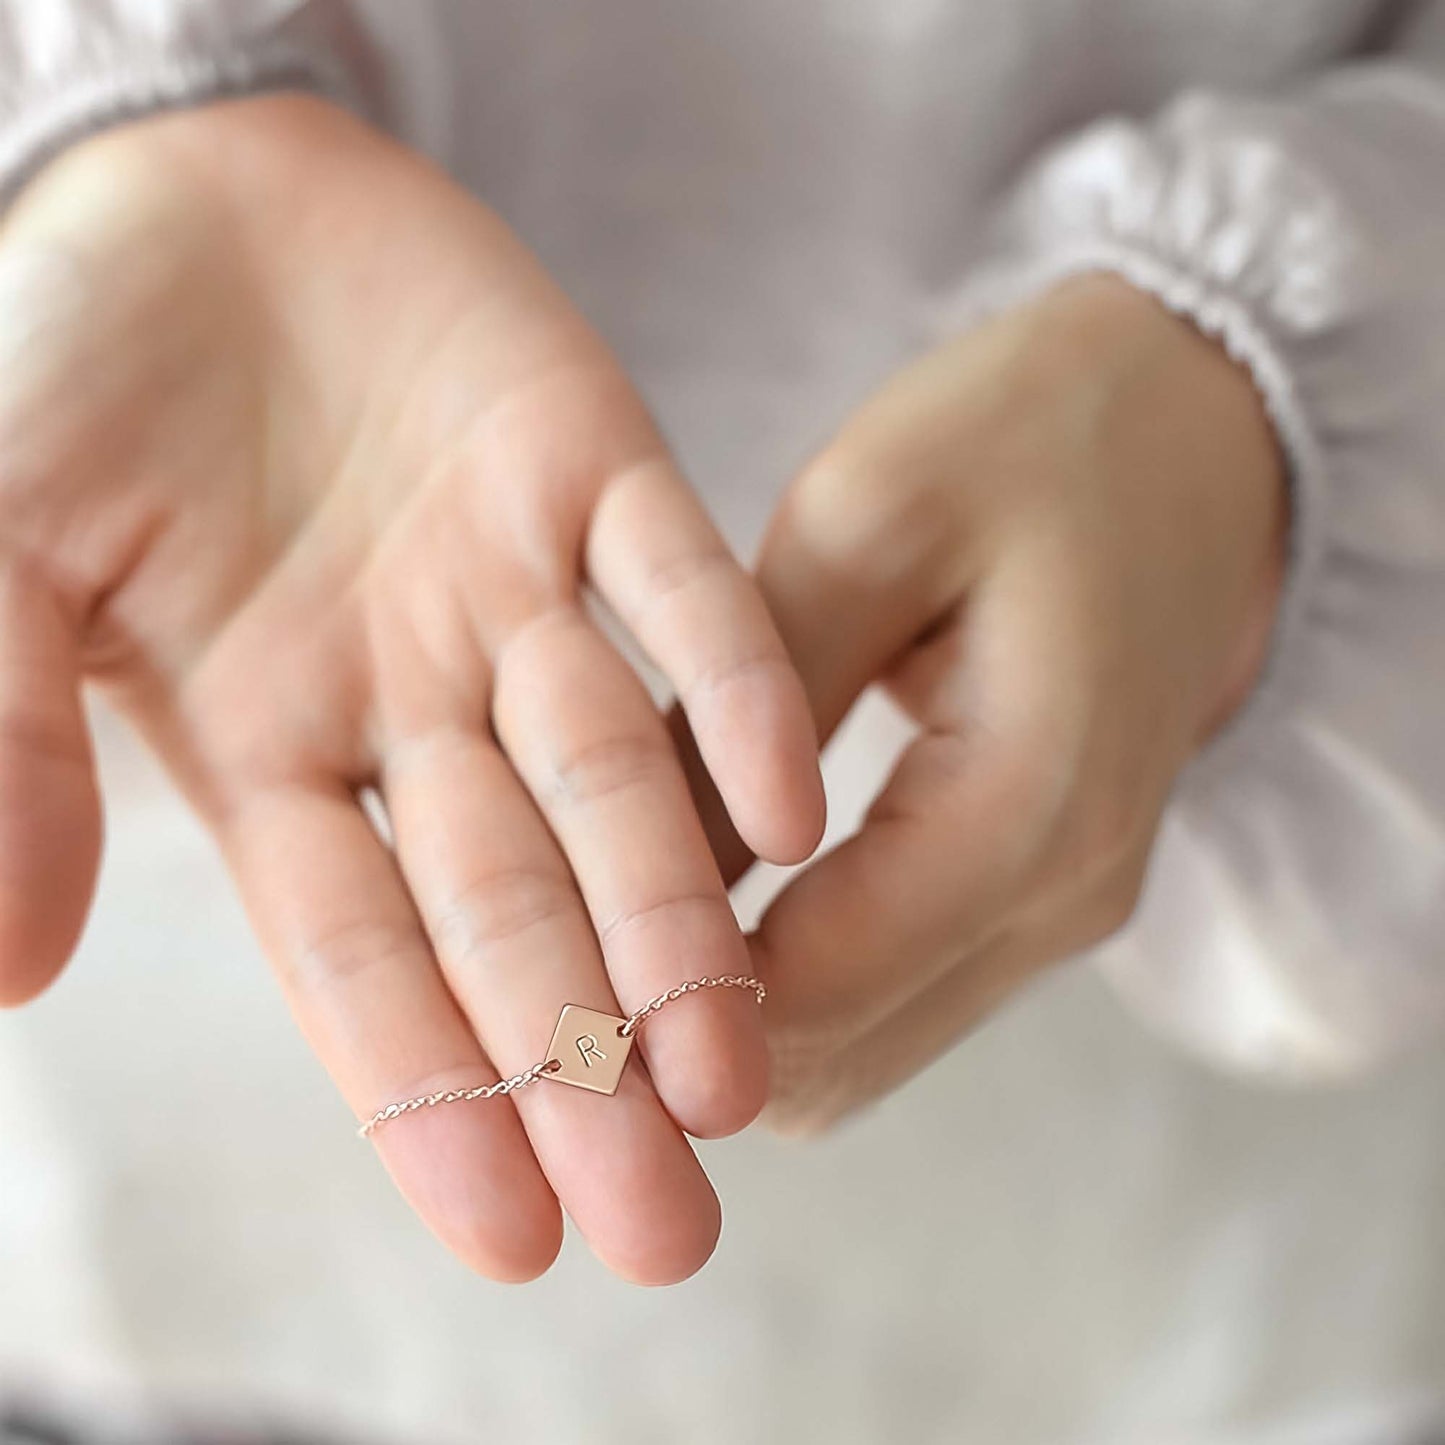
[723,980]
[626,1029]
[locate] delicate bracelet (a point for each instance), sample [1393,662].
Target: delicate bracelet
[575,1055]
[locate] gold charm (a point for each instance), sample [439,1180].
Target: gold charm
[589,1048]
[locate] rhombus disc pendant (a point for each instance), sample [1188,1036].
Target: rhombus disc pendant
[589,1048]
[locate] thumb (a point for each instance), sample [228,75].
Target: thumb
[931,872]
[937,866]
[859,561]
[50,822]
[855,566]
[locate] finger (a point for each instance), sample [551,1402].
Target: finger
[854,567]
[660,563]
[732,856]
[939,862]
[50,824]
[969,819]
[821,1074]
[354,963]
[591,748]
[516,945]
[817,1082]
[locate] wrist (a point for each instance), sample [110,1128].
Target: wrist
[1170,395]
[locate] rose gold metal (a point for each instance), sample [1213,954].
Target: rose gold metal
[589,1050]
[457,1096]
[725,980]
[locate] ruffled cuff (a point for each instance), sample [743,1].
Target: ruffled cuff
[69,68]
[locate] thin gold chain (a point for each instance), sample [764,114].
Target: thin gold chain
[626,1029]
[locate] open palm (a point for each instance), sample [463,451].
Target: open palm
[305,460]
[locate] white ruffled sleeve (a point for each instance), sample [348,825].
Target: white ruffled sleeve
[1293,919]
[70,67]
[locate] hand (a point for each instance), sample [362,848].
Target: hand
[306,462]
[1057,542]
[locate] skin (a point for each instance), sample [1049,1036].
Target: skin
[305,463]
[1057,542]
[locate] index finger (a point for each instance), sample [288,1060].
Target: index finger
[880,918]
